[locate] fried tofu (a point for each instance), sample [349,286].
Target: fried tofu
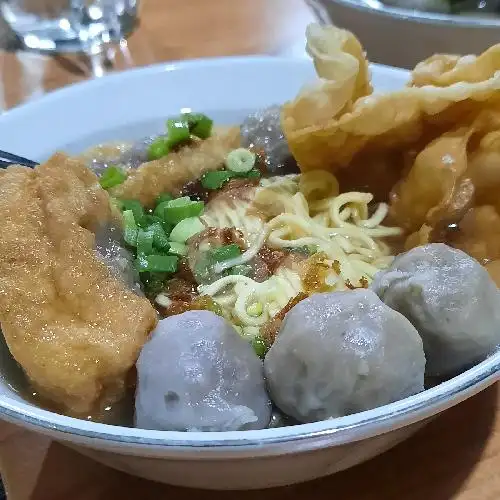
[74,327]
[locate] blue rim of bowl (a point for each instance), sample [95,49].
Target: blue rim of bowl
[344,429]
[448,20]
[257,442]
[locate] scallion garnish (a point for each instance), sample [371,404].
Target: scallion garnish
[240,160]
[145,242]
[253,174]
[160,239]
[111,177]
[163,197]
[240,270]
[203,128]
[260,346]
[178,248]
[158,149]
[156,263]
[225,252]
[200,125]
[136,208]
[177,131]
[175,212]
[130,228]
[216,179]
[185,229]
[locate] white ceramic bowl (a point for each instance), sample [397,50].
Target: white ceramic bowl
[133,104]
[401,37]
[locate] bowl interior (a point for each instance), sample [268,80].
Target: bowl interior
[131,105]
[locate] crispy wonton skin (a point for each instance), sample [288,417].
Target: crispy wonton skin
[432,149]
[74,328]
[363,128]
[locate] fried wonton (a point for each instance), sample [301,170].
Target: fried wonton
[453,174]
[381,123]
[442,70]
[172,172]
[432,148]
[75,329]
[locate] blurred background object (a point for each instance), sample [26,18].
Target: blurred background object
[69,25]
[169,30]
[409,31]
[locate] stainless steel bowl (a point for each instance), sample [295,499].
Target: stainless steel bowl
[400,37]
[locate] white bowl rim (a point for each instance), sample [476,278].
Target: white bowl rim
[411,15]
[345,429]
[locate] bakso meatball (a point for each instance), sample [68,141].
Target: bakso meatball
[133,156]
[262,131]
[197,374]
[450,299]
[341,353]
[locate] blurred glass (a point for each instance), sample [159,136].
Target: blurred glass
[70,25]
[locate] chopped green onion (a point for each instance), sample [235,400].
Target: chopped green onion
[130,229]
[241,270]
[180,202]
[255,309]
[176,213]
[178,248]
[225,253]
[240,160]
[112,176]
[163,197]
[216,179]
[156,263]
[203,128]
[253,174]
[136,208]
[158,149]
[200,125]
[306,249]
[177,131]
[312,249]
[260,346]
[160,239]
[185,229]
[149,220]
[159,211]
[167,227]
[145,242]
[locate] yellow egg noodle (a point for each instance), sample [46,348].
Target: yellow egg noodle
[293,212]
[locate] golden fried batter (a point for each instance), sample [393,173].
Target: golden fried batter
[75,329]
[362,126]
[432,148]
[172,172]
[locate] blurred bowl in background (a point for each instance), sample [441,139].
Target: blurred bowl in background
[403,37]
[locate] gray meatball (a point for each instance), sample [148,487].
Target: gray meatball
[450,299]
[341,353]
[197,374]
[130,157]
[262,131]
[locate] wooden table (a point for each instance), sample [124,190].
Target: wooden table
[457,456]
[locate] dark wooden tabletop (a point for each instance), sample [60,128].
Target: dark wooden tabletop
[457,456]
